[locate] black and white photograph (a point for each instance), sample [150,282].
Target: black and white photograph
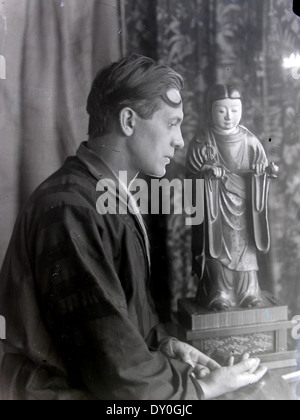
[150,202]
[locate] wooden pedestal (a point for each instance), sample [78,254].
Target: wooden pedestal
[262,332]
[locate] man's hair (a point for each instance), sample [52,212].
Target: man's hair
[135,82]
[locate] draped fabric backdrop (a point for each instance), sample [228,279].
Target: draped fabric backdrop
[53,49]
[230,41]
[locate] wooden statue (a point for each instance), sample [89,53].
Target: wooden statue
[234,166]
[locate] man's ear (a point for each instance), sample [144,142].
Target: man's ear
[127,121]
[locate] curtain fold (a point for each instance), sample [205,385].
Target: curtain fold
[53,50]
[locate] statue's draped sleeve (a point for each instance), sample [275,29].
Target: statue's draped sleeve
[260,193]
[208,235]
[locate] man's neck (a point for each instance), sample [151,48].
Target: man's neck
[114,154]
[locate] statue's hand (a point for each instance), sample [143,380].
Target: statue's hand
[272,170]
[216,172]
[259,168]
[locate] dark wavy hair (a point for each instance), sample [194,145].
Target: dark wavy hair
[136,82]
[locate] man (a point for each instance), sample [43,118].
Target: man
[80,321]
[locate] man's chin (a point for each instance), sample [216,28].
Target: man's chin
[157,174]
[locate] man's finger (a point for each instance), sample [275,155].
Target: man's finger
[188,360]
[246,366]
[253,378]
[231,361]
[201,371]
[208,362]
[255,367]
[194,356]
[246,356]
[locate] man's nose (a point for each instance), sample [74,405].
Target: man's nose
[178,141]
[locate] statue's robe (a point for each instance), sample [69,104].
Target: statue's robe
[236,220]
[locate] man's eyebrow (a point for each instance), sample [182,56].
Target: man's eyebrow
[177,118]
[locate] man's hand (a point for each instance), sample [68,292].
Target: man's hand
[231,378]
[202,364]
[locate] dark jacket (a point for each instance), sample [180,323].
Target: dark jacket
[80,320]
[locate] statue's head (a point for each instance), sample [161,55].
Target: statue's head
[225,108]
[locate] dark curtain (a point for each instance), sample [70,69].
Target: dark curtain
[53,49]
[229,41]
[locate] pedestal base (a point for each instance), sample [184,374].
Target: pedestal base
[262,332]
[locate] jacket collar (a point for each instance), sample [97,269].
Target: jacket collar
[94,163]
[99,169]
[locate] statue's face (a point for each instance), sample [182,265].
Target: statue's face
[226,114]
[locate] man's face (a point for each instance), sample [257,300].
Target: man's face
[227,114]
[156,140]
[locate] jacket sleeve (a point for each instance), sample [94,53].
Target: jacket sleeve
[86,310]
